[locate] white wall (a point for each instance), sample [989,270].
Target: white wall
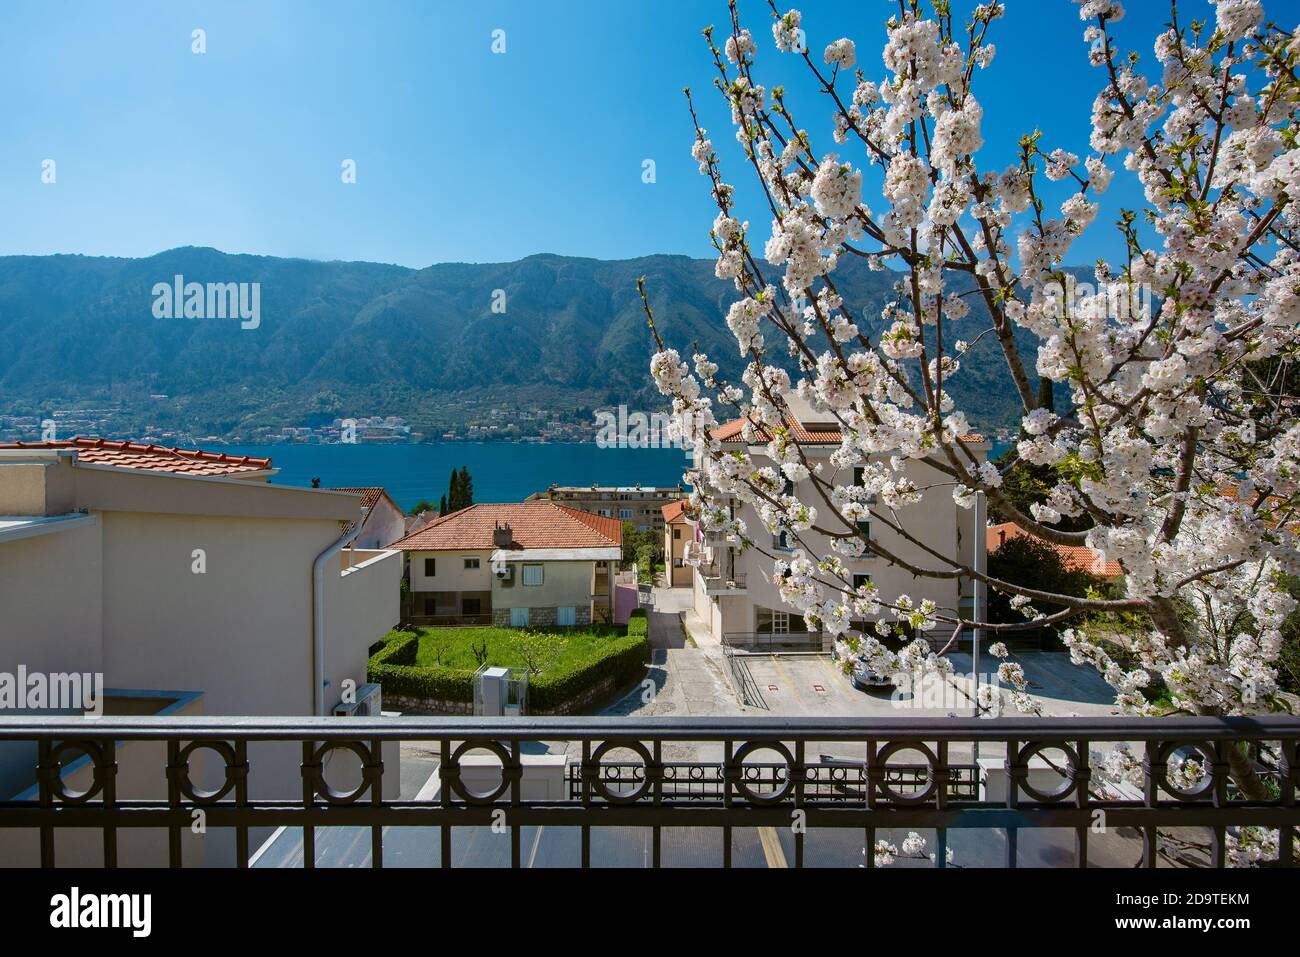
[563,584]
[450,573]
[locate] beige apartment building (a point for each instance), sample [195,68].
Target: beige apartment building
[516,565]
[191,585]
[642,505]
[733,591]
[678,534]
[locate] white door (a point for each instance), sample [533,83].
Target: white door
[518,617]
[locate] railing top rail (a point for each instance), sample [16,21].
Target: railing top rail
[1023,729]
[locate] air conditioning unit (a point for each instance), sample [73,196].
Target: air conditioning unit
[367,705]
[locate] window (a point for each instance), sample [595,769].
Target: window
[566,616]
[603,511]
[518,617]
[625,513]
[532,575]
[773,622]
[471,563]
[471,606]
[677,563]
[430,567]
[860,580]
[781,541]
[864,526]
[677,534]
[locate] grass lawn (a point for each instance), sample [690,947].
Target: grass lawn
[509,647]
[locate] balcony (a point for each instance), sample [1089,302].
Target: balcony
[718,583]
[595,791]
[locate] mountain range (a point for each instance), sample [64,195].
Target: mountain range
[437,346]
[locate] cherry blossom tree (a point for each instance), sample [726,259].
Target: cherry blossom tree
[1179,443]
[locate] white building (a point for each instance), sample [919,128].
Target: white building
[189,585]
[733,589]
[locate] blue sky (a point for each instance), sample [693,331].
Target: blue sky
[462,154]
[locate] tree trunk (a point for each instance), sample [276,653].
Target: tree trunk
[1244,775]
[1165,617]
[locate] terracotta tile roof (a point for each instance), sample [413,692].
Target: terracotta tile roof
[820,435]
[533,525]
[155,458]
[370,497]
[674,512]
[1073,557]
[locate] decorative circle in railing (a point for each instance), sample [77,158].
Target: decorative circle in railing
[509,771]
[1070,776]
[744,775]
[100,770]
[233,772]
[883,776]
[370,769]
[611,773]
[1166,753]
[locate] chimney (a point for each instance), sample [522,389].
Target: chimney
[502,535]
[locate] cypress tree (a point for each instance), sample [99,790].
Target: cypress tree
[442,507]
[453,492]
[466,487]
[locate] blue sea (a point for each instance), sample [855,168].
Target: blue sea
[502,471]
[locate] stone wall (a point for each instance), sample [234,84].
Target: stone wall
[541,617]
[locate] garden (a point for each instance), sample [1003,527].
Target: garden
[569,670]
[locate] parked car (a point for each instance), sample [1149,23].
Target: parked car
[866,678]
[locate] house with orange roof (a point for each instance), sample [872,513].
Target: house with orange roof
[528,564]
[678,533]
[1073,557]
[384,521]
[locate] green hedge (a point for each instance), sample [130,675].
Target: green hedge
[393,667]
[623,658]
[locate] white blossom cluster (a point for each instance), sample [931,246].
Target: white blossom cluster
[1180,442]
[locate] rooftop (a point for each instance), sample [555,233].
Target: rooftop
[674,512]
[155,458]
[1074,557]
[370,497]
[805,433]
[534,525]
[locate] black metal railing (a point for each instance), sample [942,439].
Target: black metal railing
[863,778]
[833,780]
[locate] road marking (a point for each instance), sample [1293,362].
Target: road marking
[771,847]
[776,662]
[537,840]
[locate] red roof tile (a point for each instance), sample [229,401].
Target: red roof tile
[674,512]
[1074,557]
[538,524]
[370,497]
[819,435]
[154,458]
